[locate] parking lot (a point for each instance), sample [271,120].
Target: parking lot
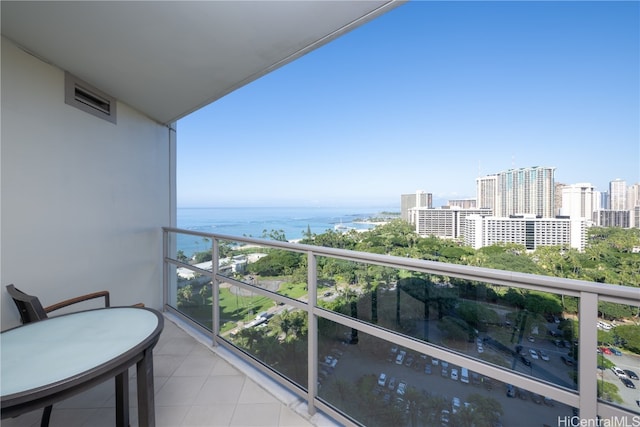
[520,410]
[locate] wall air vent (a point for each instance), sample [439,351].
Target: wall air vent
[88,99]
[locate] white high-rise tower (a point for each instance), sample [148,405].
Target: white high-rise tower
[618,195]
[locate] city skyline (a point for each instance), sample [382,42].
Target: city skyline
[430,96]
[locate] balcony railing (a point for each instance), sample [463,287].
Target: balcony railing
[456,337]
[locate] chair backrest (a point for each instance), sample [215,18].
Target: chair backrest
[29,306]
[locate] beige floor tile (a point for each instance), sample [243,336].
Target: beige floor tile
[222,389]
[253,393]
[179,391]
[256,414]
[209,416]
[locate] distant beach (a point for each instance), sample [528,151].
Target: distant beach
[294,222]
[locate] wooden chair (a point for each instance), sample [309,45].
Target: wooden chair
[31,310]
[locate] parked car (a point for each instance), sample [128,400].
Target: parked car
[331,361]
[511,391]
[382,379]
[392,383]
[400,357]
[475,379]
[615,351]
[409,361]
[444,417]
[533,354]
[618,372]
[568,360]
[526,361]
[427,369]
[444,372]
[605,350]
[454,374]
[455,404]
[631,374]
[627,382]
[402,388]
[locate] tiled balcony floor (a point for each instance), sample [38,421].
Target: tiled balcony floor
[195,386]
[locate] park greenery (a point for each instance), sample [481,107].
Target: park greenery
[396,299]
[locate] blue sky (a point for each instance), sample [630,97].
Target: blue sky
[429,96]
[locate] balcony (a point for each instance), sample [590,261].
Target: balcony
[405,318]
[204,378]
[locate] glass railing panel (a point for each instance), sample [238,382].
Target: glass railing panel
[276,270]
[380,384]
[618,361]
[512,328]
[277,337]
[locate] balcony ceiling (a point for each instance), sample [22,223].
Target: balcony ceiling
[170,58]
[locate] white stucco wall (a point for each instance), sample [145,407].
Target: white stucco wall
[82,199]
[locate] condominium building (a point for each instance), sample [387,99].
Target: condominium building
[557,198]
[442,222]
[633,196]
[518,192]
[612,218]
[487,192]
[604,200]
[579,201]
[618,195]
[526,191]
[419,199]
[527,230]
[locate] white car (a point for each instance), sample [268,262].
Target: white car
[331,361]
[382,379]
[400,357]
[480,348]
[454,374]
[402,388]
[544,356]
[533,353]
[619,372]
[455,404]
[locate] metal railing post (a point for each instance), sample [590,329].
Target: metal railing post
[587,356]
[215,290]
[312,292]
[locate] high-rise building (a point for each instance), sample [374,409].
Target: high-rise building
[557,198]
[419,199]
[579,201]
[604,200]
[487,192]
[633,196]
[618,195]
[521,191]
[526,191]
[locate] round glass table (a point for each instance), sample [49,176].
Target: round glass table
[48,361]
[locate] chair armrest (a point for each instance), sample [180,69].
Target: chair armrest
[81,298]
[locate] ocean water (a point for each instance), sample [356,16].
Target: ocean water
[252,222]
